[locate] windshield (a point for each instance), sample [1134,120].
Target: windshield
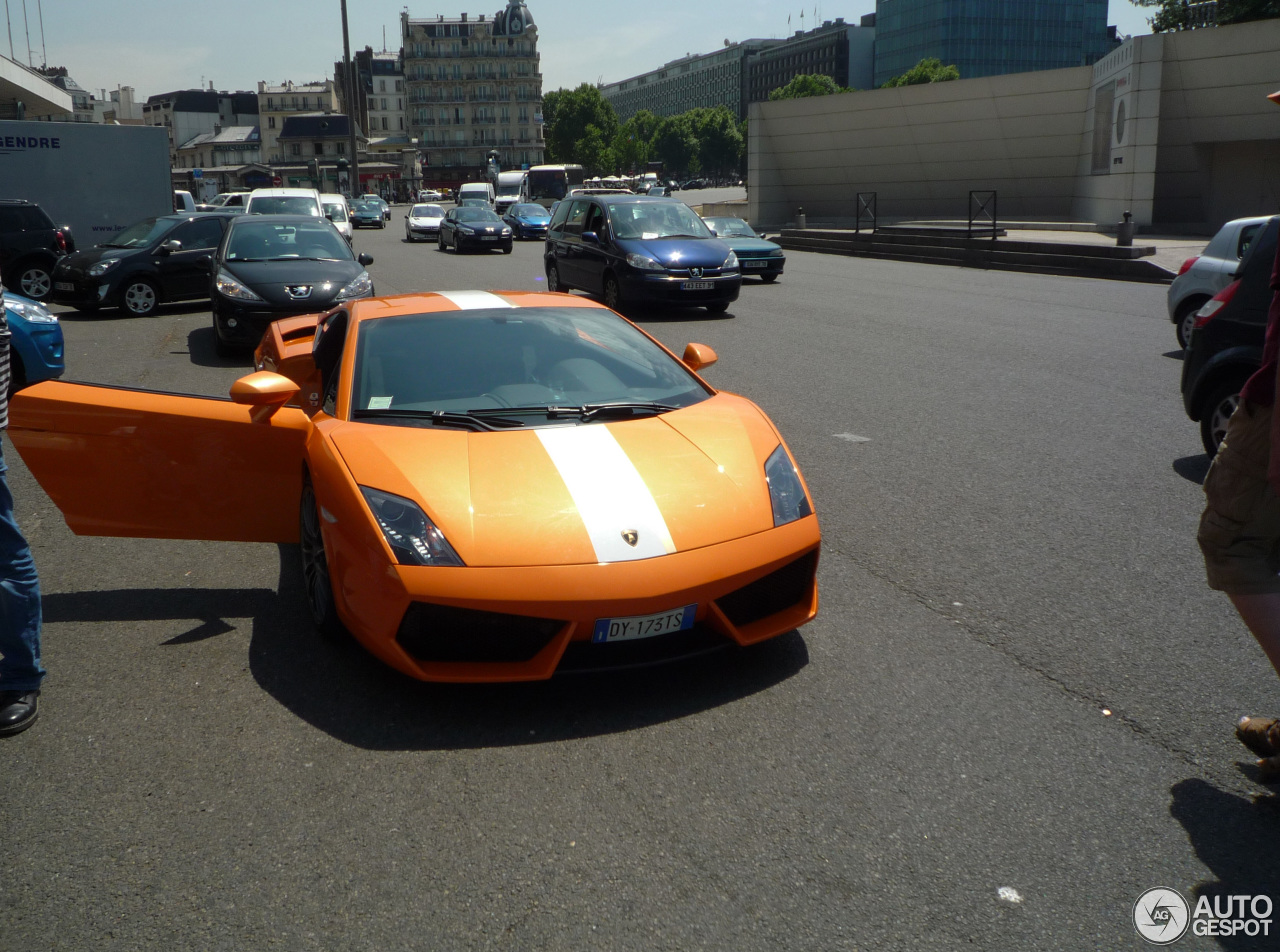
[649,220]
[474,213]
[510,190]
[335,211]
[730,228]
[530,211]
[143,233]
[499,359]
[253,240]
[553,184]
[426,211]
[283,205]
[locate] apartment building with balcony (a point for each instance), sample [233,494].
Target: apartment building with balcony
[474,86]
[380,94]
[278,103]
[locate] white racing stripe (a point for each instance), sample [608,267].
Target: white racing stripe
[475,300]
[610,495]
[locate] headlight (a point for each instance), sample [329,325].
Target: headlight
[101,267]
[413,537]
[785,492]
[360,286]
[506,231]
[33,312]
[465,230]
[644,263]
[777,253]
[730,263]
[230,287]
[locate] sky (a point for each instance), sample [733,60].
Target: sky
[158,46]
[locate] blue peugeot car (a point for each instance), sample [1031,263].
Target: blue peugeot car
[35,348]
[528,220]
[629,249]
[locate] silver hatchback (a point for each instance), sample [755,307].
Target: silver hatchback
[1203,276]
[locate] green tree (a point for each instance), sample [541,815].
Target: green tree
[633,145]
[803,85]
[676,145]
[566,120]
[594,152]
[929,70]
[1173,15]
[719,138]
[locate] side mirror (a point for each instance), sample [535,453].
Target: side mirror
[365,259]
[169,247]
[204,262]
[591,238]
[697,356]
[264,389]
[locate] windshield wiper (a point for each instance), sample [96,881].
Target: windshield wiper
[457,419]
[589,411]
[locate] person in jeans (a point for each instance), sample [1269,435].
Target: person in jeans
[1240,529]
[20,668]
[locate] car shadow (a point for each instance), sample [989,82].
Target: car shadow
[339,688]
[202,348]
[1193,468]
[1233,836]
[72,316]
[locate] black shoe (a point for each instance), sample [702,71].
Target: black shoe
[17,711]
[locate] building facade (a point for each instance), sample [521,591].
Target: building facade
[989,37]
[837,49]
[187,113]
[234,146]
[380,92]
[275,104]
[703,81]
[474,86]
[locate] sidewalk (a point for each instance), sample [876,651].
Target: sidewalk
[1171,251]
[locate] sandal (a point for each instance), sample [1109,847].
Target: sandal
[1260,735]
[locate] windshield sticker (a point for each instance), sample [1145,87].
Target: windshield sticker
[379,403]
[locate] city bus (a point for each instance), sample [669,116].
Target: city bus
[547,184]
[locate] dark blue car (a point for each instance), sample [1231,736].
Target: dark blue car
[631,248]
[35,349]
[528,220]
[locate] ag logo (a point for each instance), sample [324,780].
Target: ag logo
[630,537]
[1161,916]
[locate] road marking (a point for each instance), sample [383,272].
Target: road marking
[853,438]
[475,300]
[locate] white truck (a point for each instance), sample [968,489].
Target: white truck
[98,179]
[508,194]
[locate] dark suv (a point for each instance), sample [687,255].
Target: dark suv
[30,245]
[1226,342]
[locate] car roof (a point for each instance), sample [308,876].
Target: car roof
[626,199]
[282,192]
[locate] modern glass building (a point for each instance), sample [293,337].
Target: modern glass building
[989,37]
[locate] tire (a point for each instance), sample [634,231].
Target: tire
[440,242]
[506,249]
[612,295]
[1218,408]
[768,278]
[221,347]
[34,281]
[140,298]
[315,567]
[553,279]
[1185,319]
[718,308]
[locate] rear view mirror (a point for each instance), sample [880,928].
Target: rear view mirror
[697,356]
[169,247]
[365,259]
[591,238]
[263,389]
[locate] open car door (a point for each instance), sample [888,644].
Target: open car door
[142,463]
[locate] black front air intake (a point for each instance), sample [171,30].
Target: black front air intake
[442,633]
[775,592]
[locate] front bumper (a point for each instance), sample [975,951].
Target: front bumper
[424,231]
[553,609]
[244,325]
[754,267]
[668,289]
[482,241]
[77,289]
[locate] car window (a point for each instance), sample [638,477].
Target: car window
[595,220]
[140,234]
[427,211]
[284,205]
[577,215]
[651,220]
[730,227]
[34,219]
[10,219]
[1247,234]
[254,240]
[202,234]
[335,211]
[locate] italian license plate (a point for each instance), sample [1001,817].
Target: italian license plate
[643,626]
[63,286]
[697,286]
[755,264]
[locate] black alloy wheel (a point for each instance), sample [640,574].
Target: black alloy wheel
[553,279]
[612,293]
[315,566]
[140,297]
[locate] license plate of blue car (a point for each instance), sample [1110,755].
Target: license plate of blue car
[697,286]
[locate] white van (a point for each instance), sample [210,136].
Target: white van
[284,201]
[476,190]
[509,185]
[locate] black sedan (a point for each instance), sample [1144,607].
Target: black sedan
[472,227]
[155,260]
[271,266]
[367,215]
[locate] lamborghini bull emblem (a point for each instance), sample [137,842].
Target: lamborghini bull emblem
[630,537]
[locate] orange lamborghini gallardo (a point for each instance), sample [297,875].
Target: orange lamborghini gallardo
[485,486]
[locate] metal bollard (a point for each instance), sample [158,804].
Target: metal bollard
[800,219]
[1124,231]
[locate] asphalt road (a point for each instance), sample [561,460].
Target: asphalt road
[1008,492]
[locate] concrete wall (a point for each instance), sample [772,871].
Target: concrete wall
[1183,137]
